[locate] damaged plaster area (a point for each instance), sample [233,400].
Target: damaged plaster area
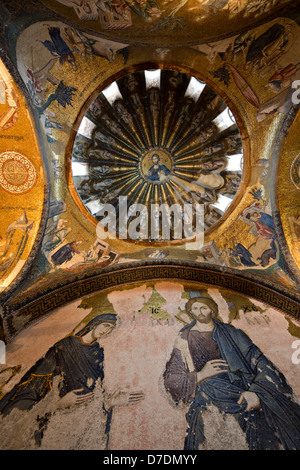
[222,432]
[47,427]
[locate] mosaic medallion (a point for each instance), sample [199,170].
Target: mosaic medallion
[295,172]
[158,137]
[156,165]
[17,173]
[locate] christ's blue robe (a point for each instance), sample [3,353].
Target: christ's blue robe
[275,425]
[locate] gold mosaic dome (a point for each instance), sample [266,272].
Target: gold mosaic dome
[158,137]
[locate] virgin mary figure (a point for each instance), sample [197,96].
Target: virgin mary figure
[76,362]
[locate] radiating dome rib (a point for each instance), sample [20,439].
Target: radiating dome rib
[118,125]
[207,107]
[133,90]
[158,137]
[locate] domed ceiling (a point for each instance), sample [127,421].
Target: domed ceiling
[160,21]
[124,113]
[153,139]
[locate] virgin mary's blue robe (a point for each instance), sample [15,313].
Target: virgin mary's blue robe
[78,364]
[70,359]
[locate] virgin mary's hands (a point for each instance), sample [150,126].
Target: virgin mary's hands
[72,398]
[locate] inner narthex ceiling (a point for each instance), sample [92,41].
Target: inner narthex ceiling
[137,107]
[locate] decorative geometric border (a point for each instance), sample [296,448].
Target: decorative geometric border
[135,274]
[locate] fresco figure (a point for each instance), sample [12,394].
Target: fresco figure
[144,8]
[157,171]
[56,235]
[39,78]
[59,48]
[240,251]
[213,363]
[78,361]
[265,51]
[262,221]
[65,253]
[265,229]
[282,78]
